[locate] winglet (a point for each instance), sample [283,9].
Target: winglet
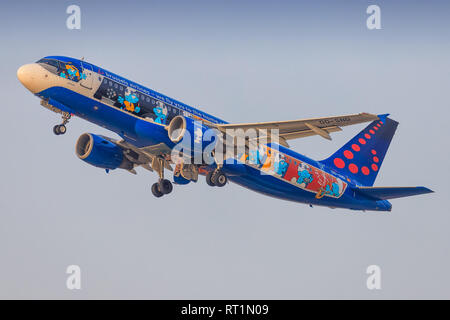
[383,117]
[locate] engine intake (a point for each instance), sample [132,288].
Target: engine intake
[177,128]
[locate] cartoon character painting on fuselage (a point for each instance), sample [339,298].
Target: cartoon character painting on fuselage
[298,173]
[126,98]
[71,72]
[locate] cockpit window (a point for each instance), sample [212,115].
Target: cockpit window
[50,62]
[51,65]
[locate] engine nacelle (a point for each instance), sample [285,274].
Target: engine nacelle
[100,152]
[192,136]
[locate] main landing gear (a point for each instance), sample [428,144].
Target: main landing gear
[216,178]
[164,186]
[61,128]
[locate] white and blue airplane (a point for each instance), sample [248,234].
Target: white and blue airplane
[151,125]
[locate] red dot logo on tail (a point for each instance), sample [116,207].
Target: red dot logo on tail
[353,168]
[338,162]
[348,154]
[365,171]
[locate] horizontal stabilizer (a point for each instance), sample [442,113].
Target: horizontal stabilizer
[385,193]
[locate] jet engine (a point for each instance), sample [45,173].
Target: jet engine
[192,137]
[101,152]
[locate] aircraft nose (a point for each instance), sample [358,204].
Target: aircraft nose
[27,75]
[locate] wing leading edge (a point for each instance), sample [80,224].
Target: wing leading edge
[293,129]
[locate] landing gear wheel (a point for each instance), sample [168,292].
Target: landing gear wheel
[156,191]
[220,179]
[62,129]
[59,129]
[165,186]
[209,181]
[56,130]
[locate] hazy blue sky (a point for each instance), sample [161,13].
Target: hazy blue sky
[241,61]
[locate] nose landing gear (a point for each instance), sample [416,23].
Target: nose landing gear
[61,128]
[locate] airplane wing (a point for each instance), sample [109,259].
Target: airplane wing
[294,129]
[151,157]
[156,158]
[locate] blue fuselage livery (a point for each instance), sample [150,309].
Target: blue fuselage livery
[146,119]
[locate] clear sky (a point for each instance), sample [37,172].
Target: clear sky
[241,61]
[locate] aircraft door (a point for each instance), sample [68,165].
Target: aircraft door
[86,80]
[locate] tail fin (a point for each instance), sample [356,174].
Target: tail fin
[363,155]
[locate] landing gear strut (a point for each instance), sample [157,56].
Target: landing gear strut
[164,186]
[61,128]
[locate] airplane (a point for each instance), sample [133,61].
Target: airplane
[151,126]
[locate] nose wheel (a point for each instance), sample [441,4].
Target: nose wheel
[61,128]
